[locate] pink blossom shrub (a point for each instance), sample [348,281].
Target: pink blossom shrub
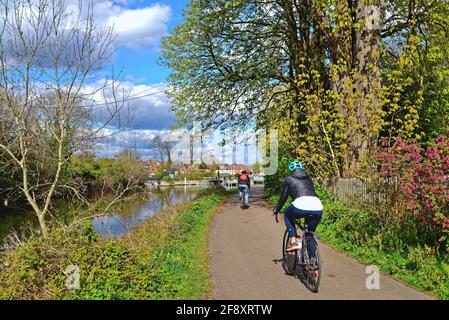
[423,177]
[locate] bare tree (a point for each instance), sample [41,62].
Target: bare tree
[133,177]
[48,59]
[157,144]
[163,146]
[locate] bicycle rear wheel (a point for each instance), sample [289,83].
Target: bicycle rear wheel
[312,264]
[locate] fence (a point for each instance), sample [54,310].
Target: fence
[365,189]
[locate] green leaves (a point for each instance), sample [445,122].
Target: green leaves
[223,61]
[314,72]
[398,249]
[166,258]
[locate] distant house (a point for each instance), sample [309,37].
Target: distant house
[239,168]
[233,169]
[152,167]
[170,172]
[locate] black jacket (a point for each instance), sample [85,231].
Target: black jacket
[296,185]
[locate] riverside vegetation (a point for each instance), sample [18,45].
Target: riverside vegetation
[163,258]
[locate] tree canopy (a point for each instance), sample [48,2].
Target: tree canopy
[333,75]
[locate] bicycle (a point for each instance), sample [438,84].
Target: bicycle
[306,265]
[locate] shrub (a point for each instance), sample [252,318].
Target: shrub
[163,258]
[107,174]
[423,174]
[400,248]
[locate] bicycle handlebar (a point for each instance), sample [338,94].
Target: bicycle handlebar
[275,213]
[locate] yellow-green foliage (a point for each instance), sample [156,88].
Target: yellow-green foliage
[108,173]
[326,132]
[330,77]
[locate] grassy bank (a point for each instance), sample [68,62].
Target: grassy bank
[400,250]
[164,258]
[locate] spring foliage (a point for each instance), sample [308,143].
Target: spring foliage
[423,174]
[332,75]
[164,258]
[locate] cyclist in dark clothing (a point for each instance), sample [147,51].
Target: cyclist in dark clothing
[299,186]
[244,186]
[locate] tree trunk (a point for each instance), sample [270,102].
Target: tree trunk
[356,50]
[161,156]
[342,51]
[43,225]
[367,80]
[169,156]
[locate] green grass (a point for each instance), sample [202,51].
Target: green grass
[164,258]
[403,250]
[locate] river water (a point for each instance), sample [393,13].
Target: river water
[127,215]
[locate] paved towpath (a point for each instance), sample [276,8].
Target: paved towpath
[245,253]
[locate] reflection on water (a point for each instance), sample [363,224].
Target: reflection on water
[15,220]
[136,211]
[129,214]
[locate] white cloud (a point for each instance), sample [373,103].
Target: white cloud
[150,116]
[141,27]
[137,140]
[147,106]
[134,28]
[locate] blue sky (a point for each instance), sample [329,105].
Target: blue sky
[141,63]
[139,26]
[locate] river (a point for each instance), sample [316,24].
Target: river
[118,223]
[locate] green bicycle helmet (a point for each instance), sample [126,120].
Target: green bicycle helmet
[295,164]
